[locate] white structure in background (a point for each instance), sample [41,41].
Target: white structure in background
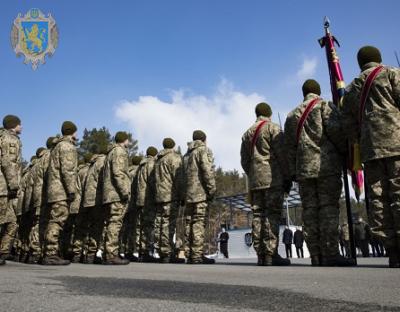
[238,244]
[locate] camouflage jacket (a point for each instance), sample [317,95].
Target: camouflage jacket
[132,171]
[200,174]
[145,181]
[317,154]
[21,195]
[379,133]
[92,191]
[62,174]
[265,162]
[82,172]
[168,176]
[116,181]
[10,161]
[39,187]
[29,185]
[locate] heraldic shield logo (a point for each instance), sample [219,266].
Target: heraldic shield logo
[34,36]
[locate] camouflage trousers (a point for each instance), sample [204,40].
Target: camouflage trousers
[320,201]
[128,233]
[88,235]
[164,228]
[35,237]
[145,229]
[115,213]
[267,209]
[9,226]
[383,183]
[195,230]
[57,216]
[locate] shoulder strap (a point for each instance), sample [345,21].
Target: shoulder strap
[365,90]
[304,117]
[257,134]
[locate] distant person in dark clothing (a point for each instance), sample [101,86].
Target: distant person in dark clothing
[344,240]
[288,241]
[298,241]
[361,237]
[223,243]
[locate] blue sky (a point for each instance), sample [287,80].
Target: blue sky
[120,60]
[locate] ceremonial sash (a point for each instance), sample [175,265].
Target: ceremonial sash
[257,134]
[304,117]
[365,91]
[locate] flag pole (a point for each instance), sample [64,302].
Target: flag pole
[338,89]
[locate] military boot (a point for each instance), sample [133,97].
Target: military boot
[89,259]
[203,260]
[260,260]
[116,261]
[276,260]
[33,259]
[164,260]
[337,261]
[316,260]
[76,259]
[176,260]
[132,258]
[394,261]
[147,259]
[54,260]
[2,262]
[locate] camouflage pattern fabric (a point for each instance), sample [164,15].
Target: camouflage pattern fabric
[383,182]
[62,171]
[199,174]
[195,231]
[115,213]
[116,180]
[267,210]
[58,215]
[379,133]
[165,226]
[168,176]
[316,154]
[320,201]
[265,163]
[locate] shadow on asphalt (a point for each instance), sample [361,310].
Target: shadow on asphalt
[221,295]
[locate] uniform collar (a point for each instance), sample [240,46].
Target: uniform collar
[164,152]
[198,143]
[369,65]
[260,118]
[310,96]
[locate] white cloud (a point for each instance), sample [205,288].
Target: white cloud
[224,116]
[308,68]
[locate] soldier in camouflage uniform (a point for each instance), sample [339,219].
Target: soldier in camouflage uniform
[128,236]
[61,191]
[200,189]
[168,187]
[263,160]
[32,227]
[79,218]
[313,152]
[377,128]
[116,192]
[24,216]
[145,206]
[39,203]
[10,178]
[91,214]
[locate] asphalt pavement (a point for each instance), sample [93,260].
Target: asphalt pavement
[229,285]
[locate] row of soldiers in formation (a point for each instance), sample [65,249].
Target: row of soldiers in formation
[309,151]
[55,211]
